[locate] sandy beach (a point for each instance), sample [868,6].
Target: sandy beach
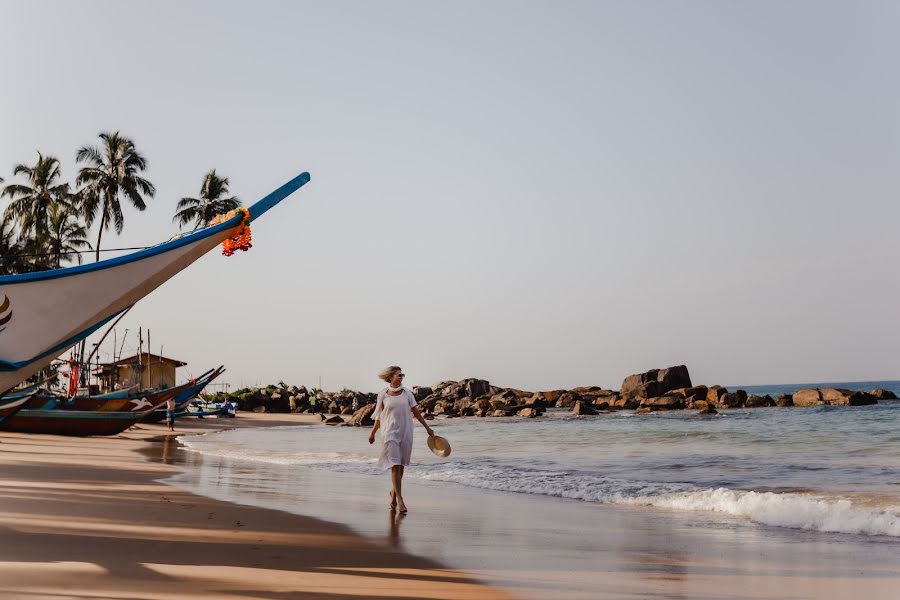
[87,518]
[99,518]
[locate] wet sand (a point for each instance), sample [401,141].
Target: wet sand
[87,518]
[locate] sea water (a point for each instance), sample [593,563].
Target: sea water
[826,470]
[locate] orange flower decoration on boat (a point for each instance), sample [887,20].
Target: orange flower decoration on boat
[241,240]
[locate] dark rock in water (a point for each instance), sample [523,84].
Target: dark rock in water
[568,399]
[674,378]
[649,389]
[550,396]
[363,416]
[663,403]
[529,413]
[883,394]
[714,394]
[699,405]
[735,399]
[759,401]
[583,408]
[499,413]
[842,397]
[785,400]
[808,397]
[334,420]
[632,382]
[709,410]
[643,410]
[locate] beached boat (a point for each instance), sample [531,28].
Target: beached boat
[11,404]
[183,400]
[45,313]
[49,415]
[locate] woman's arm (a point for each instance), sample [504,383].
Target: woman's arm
[418,415]
[374,429]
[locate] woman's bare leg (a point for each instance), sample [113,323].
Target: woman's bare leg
[396,476]
[401,505]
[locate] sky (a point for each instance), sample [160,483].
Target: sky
[541,194]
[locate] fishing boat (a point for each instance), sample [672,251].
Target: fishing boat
[45,313]
[48,414]
[183,399]
[11,404]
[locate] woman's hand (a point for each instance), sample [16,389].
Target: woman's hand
[429,430]
[372,438]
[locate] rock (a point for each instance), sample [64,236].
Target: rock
[883,394]
[674,378]
[568,400]
[347,410]
[421,392]
[700,405]
[583,408]
[714,394]
[643,410]
[784,400]
[663,403]
[529,413]
[650,389]
[842,397]
[259,409]
[735,399]
[632,382]
[551,396]
[334,420]
[499,413]
[698,391]
[709,410]
[505,396]
[363,416]
[476,387]
[808,397]
[334,408]
[759,401]
[601,403]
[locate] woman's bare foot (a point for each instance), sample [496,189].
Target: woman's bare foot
[401,506]
[393,505]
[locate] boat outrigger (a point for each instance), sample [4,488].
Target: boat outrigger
[44,314]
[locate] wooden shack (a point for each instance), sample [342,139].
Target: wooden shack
[150,371]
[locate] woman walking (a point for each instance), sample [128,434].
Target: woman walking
[394,410]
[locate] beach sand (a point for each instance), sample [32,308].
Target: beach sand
[86,518]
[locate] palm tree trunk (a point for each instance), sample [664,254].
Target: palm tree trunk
[100,233]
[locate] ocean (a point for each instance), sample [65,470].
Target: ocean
[828,477]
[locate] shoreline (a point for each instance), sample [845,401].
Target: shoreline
[91,518]
[536,546]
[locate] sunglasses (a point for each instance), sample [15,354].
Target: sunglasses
[401,375]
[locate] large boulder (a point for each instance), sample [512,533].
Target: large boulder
[714,394]
[335,420]
[363,416]
[672,402]
[735,399]
[583,408]
[807,397]
[632,382]
[842,397]
[529,413]
[568,400]
[674,378]
[476,387]
[883,394]
[422,392]
[784,400]
[639,385]
[755,401]
[550,396]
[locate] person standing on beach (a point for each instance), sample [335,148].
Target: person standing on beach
[170,413]
[394,410]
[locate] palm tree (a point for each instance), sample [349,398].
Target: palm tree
[31,202]
[67,235]
[112,174]
[210,204]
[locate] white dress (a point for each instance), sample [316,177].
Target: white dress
[395,414]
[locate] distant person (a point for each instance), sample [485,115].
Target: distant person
[355,404]
[230,410]
[394,410]
[170,413]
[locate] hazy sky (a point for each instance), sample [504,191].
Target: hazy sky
[541,194]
